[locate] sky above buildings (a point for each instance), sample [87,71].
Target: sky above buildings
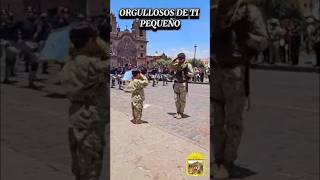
[172,42]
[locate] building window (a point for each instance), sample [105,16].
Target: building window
[305,5]
[141,33]
[141,55]
[141,46]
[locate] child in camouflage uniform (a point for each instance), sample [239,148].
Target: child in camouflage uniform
[85,81]
[136,87]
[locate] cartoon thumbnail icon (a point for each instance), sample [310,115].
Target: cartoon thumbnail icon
[195,164]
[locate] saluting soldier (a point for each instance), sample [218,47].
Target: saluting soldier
[85,77]
[240,35]
[183,72]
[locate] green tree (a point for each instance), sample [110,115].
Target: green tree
[162,63]
[196,63]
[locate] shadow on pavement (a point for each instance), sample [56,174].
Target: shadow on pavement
[139,122]
[56,96]
[37,88]
[243,173]
[40,80]
[10,83]
[57,83]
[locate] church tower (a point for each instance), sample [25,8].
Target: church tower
[139,33]
[113,23]
[141,37]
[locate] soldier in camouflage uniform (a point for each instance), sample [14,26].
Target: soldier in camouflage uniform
[136,87]
[240,35]
[85,80]
[11,55]
[183,71]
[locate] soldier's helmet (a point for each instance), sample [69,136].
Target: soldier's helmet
[81,33]
[181,56]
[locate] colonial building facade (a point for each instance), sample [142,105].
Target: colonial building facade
[127,47]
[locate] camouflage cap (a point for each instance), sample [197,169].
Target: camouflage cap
[181,56]
[135,72]
[81,33]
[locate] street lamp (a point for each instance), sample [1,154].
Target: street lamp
[195,52]
[194,59]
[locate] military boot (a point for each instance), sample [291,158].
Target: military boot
[135,121]
[175,116]
[233,171]
[179,116]
[182,115]
[219,172]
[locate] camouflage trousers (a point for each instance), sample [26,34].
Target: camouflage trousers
[137,108]
[87,141]
[228,105]
[180,96]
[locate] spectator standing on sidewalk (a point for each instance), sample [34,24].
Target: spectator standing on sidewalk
[316,44]
[202,74]
[28,29]
[275,34]
[283,43]
[41,35]
[295,43]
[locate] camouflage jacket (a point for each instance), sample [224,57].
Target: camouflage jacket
[182,71]
[136,87]
[85,79]
[241,33]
